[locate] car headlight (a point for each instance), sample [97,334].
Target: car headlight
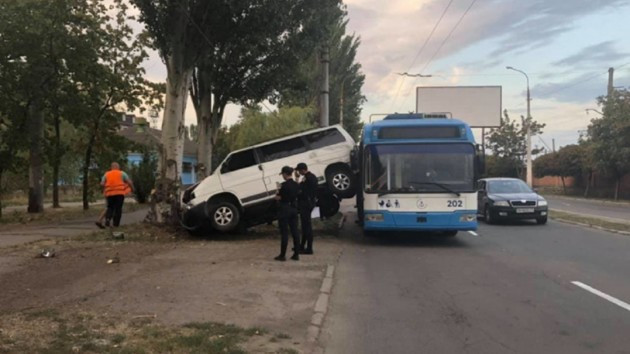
[374,217]
[503,203]
[542,203]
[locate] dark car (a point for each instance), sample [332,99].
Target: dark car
[510,199]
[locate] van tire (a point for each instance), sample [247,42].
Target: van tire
[224,216]
[341,181]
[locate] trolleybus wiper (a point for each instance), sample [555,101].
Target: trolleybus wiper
[439,185]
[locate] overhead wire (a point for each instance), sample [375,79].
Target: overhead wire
[444,41]
[421,51]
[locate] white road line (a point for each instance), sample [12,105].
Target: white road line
[473,233]
[614,300]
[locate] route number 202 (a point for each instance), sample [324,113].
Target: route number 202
[455,203]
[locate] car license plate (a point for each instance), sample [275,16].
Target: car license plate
[525,211]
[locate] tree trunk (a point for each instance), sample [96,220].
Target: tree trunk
[36,161]
[588,184]
[617,187]
[1,191]
[564,187]
[205,134]
[86,174]
[165,206]
[56,162]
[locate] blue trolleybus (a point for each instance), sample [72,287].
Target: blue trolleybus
[418,174]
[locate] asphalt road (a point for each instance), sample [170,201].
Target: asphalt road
[619,212]
[507,290]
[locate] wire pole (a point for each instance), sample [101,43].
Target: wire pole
[529,177]
[324,108]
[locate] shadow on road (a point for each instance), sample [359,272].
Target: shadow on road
[415,239]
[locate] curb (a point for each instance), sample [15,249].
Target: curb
[605,218]
[591,226]
[320,309]
[600,201]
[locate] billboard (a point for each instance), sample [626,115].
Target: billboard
[479,106]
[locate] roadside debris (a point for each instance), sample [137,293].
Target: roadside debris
[47,253]
[118,235]
[114,259]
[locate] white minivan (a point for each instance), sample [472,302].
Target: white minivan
[241,190]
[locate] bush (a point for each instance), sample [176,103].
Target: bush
[143,177]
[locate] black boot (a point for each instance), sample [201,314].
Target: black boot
[281,258]
[296,256]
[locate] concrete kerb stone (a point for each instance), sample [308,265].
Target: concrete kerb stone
[321,307]
[625,233]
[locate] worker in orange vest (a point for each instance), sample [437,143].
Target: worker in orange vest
[116,184]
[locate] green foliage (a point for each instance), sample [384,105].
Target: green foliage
[609,136]
[256,126]
[509,143]
[501,167]
[569,161]
[143,177]
[346,79]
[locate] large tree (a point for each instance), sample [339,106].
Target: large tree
[248,57]
[508,143]
[176,29]
[610,136]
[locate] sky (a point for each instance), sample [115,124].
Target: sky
[565,46]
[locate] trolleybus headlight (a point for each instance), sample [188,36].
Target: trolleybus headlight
[501,203]
[374,217]
[467,218]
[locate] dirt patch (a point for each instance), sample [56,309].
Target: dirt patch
[68,331]
[172,280]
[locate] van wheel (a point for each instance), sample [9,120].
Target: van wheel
[224,216]
[341,181]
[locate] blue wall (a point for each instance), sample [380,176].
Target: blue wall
[188,177]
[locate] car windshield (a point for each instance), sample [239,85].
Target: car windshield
[416,168]
[508,186]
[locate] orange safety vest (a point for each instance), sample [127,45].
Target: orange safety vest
[114,184]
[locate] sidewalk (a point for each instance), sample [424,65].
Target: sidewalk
[20,234]
[613,212]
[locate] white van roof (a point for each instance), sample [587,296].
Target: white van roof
[264,143]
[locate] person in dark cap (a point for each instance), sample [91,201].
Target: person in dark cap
[288,214]
[306,203]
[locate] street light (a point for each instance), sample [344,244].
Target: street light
[529,132]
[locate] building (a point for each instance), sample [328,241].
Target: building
[138,130]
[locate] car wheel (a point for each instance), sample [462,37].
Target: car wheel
[541,221]
[341,181]
[487,215]
[224,216]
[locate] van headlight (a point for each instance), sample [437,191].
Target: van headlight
[467,218]
[374,217]
[542,203]
[502,203]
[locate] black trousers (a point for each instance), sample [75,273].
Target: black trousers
[114,209]
[306,208]
[288,220]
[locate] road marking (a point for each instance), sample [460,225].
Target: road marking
[473,233]
[614,300]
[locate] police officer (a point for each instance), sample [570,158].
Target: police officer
[288,214]
[306,203]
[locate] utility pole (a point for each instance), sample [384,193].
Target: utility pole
[530,176]
[611,72]
[324,112]
[553,145]
[341,102]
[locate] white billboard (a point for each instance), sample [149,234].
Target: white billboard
[479,106]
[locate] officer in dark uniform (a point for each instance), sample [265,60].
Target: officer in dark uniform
[306,203]
[288,214]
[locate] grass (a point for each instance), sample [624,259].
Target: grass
[54,331]
[21,217]
[593,222]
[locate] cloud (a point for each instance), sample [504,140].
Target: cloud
[392,35]
[582,88]
[593,54]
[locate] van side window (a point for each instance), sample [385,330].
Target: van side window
[282,149]
[239,161]
[325,138]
